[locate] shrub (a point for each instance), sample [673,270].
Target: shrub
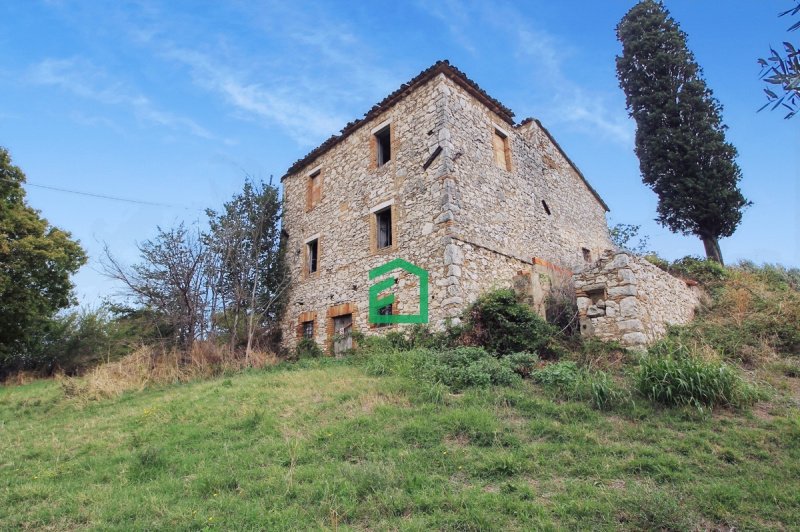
[655,260]
[499,322]
[689,381]
[578,384]
[705,271]
[307,348]
[560,374]
[463,367]
[523,364]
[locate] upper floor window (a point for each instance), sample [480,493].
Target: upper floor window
[383,222]
[502,154]
[312,255]
[314,189]
[383,145]
[587,255]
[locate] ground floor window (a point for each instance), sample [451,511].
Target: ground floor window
[308,329]
[384,311]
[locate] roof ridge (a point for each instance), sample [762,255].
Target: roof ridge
[439,67]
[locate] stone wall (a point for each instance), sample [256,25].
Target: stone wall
[503,210]
[352,185]
[472,225]
[624,297]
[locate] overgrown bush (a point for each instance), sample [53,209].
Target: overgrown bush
[655,260]
[502,324]
[569,381]
[561,305]
[681,379]
[704,271]
[463,367]
[307,348]
[457,368]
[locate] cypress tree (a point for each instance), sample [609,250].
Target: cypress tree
[680,139]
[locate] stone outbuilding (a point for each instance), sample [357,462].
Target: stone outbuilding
[624,297]
[438,174]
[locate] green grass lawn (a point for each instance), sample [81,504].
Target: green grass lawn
[324,445]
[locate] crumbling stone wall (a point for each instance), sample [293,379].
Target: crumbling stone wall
[624,297]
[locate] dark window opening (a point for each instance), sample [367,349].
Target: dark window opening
[384,144]
[383,221]
[587,255]
[308,329]
[546,208]
[313,249]
[384,311]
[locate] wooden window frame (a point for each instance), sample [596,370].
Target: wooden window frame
[304,318]
[307,273]
[314,188]
[375,148]
[505,137]
[373,226]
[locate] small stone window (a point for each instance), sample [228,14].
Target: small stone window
[383,144]
[308,329]
[312,256]
[384,311]
[502,155]
[587,255]
[546,208]
[314,189]
[383,223]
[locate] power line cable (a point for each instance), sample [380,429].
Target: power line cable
[103,196]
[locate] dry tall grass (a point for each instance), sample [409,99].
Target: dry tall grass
[754,317]
[152,365]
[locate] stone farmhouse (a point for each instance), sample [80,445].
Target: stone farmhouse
[440,175]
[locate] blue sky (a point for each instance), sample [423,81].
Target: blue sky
[175,102]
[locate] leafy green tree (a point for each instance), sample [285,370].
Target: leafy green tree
[680,139]
[622,235]
[36,261]
[783,73]
[249,277]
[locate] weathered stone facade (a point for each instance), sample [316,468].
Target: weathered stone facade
[624,297]
[475,199]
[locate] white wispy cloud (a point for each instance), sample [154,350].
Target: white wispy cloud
[82,78]
[571,103]
[544,56]
[303,120]
[310,75]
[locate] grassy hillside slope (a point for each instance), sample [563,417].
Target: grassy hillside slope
[323,444]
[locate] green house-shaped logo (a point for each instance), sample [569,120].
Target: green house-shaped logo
[376,303]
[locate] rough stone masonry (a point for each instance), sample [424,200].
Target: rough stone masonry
[440,175]
[626,298]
